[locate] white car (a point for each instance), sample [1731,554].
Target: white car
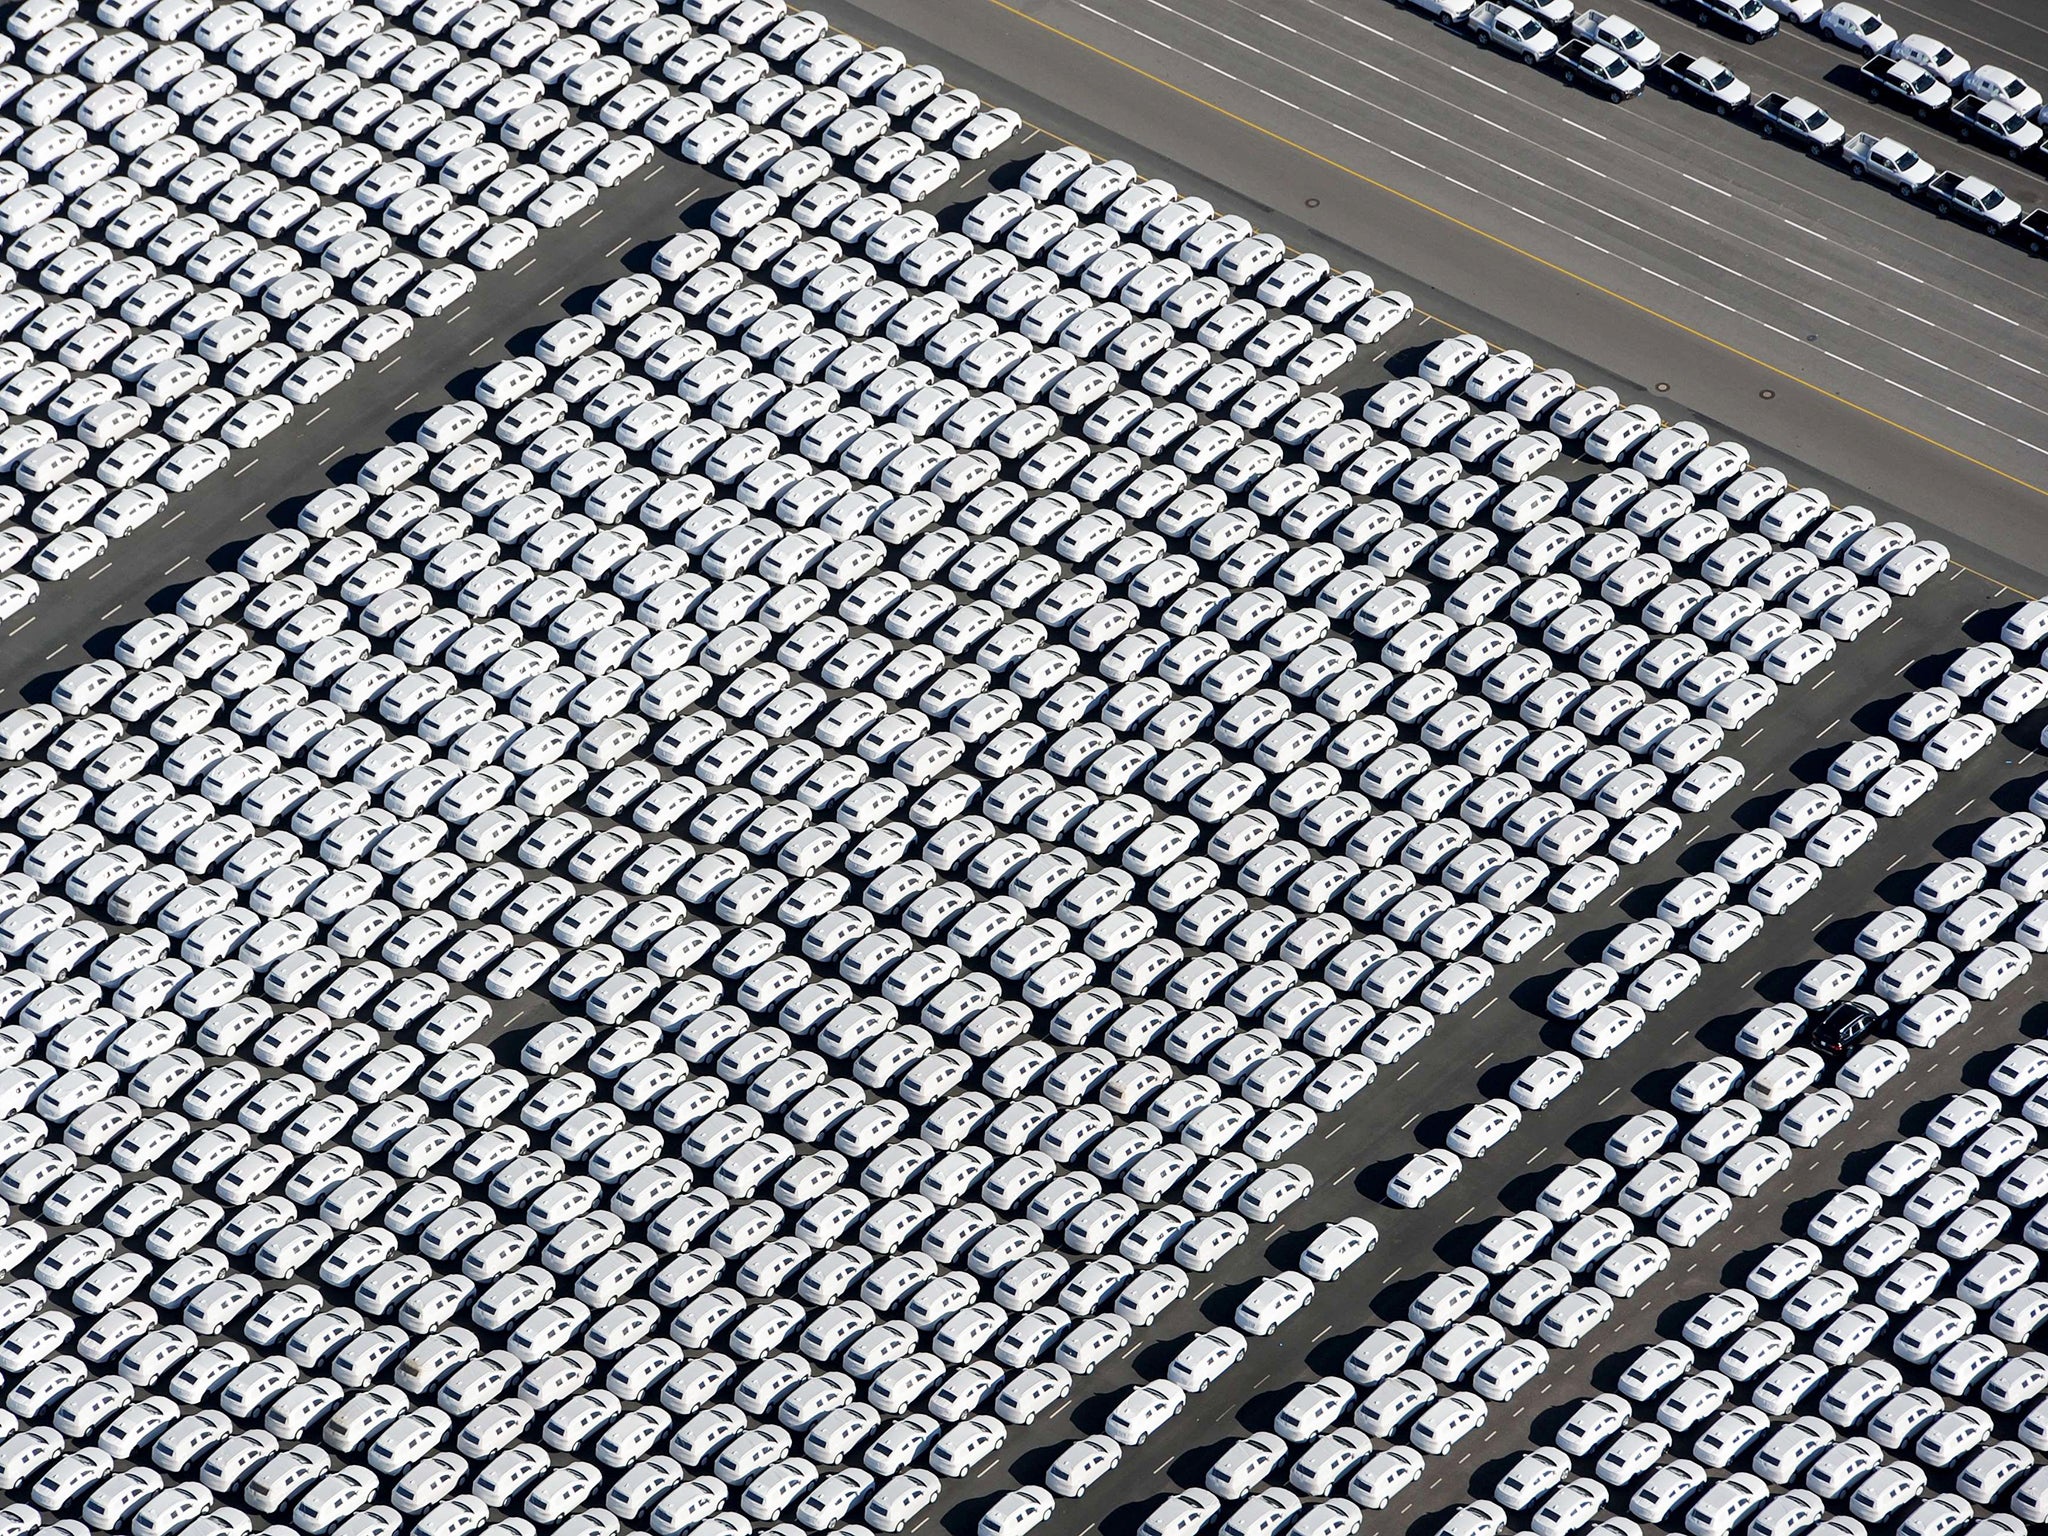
[1750,1167]
[1955,743]
[1512,30]
[1272,1301]
[1204,1358]
[1143,1410]
[1898,788]
[1994,82]
[500,245]
[1539,1084]
[1858,27]
[1606,1029]
[1082,1465]
[1450,13]
[1873,1064]
[1016,1512]
[1837,839]
[1337,1247]
[1483,1127]
[1857,765]
[1636,1262]
[1423,1177]
[1376,1484]
[1814,1116]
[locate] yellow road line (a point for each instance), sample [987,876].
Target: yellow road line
[1528,255]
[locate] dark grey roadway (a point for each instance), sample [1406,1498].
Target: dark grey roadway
[1651,245]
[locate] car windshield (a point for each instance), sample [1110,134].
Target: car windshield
[1906,160]
[1806,114]
[1523,27]
[1722,80]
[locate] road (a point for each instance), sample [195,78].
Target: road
[1650,246]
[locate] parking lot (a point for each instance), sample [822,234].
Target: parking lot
[898,779]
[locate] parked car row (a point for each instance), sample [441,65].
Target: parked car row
[1609,55]
[173,304]
[1941,1287]
[1608,1224]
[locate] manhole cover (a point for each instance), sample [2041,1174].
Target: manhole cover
[1663,389]
[1767,394]
[1315,202]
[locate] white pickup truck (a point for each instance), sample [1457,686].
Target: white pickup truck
[1620,34]
[1897,165]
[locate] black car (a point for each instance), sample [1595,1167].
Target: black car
[1842,1028]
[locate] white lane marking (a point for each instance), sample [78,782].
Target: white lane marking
[1740,171]
[1361,138]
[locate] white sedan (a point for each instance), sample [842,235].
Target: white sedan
[1144,1409]
[1423,1177]
[1539,1084]
[1835,840]
[1272,1302]
[1337,1247]
[1897,789]
[504,242]
[1955,743]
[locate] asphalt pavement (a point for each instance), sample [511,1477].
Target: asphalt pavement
[1870,348]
